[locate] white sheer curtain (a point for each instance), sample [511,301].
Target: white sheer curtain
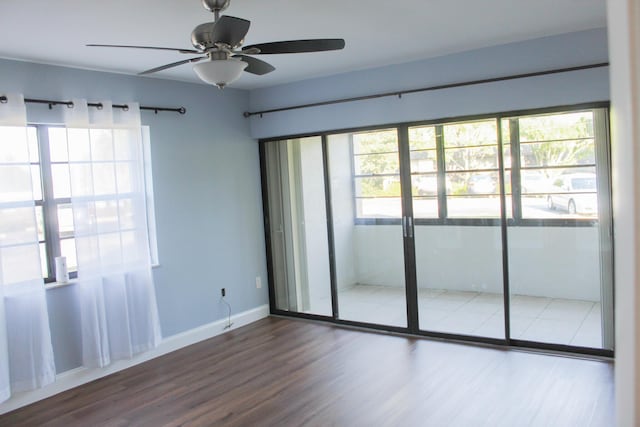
[115,286]
[26,354]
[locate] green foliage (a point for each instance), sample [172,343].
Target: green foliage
[481,140]
[470,133]
[547,140]
[385,141]
[392,189]
[556,140]
[422,138]
[377,153]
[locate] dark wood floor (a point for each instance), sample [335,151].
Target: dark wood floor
[281,372]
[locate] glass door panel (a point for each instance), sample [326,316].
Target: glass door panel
[559,241]
[364,174]
[420,238]
[458,246]
[298,225]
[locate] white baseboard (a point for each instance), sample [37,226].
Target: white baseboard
[76,377]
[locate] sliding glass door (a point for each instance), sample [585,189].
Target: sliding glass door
[495,229]
[559,236]
[366,230]
[455,186]
[298,226]
[366,201]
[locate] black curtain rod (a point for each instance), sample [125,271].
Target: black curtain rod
[430,88]
[98,105]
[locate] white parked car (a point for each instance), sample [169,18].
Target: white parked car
[576,193]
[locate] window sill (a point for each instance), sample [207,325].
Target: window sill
[56,285]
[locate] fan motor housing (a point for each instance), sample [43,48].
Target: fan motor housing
[201,36]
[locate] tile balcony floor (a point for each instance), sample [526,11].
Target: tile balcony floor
[540,319]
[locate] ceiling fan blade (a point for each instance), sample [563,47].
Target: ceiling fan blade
[145,47]
[256,66]
[230,30]
[173,64]
[297,46]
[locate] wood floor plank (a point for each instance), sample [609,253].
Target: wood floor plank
[286,372]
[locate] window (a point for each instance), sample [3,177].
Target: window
[49,159]
[471,169]
[376,168]
[549,161]
[554,164]
[423,151]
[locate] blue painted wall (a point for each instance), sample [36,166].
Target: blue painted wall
[207,194]
[568,50]
[206,166]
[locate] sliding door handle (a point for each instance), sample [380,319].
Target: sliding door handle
[407,227]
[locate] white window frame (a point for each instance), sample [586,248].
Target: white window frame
[51,227]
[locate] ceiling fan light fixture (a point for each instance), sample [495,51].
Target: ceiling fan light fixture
[220,72]
[220,45]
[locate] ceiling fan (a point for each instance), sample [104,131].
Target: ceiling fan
[219,43]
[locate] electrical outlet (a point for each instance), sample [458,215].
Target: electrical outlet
[223,292]
[258,282]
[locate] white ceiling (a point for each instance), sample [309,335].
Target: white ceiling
[376,32]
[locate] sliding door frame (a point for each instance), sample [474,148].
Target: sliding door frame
[504,235]
[330,235]
[408,232]
[408,223]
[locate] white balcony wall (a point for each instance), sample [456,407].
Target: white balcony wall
[556,262]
